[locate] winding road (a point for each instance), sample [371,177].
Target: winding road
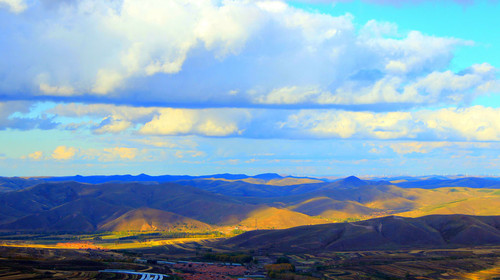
[144,275]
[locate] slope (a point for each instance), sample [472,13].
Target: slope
[438,231]
[274,218]
[147,219]
[87,206]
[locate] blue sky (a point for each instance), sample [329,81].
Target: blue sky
[318,88]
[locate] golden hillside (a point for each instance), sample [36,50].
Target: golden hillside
[147,219]
[271,217]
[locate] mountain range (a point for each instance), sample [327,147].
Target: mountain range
[258,202]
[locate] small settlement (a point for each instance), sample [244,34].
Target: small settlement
[207,270]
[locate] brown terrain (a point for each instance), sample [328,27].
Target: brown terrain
[345,229]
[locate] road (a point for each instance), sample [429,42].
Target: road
[144,275]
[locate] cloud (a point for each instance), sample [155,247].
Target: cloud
[425,147]
[403,148]
[344,124]
[194,154]
[396,3]
[103,154]
[76,110]
[475,123]
[112,125]
[155,120]
[123,153]
[64,153]
[15,6]
[36,155]
[207,122]
[9,108]
[15,115]
[226,54]
[111,118]
[57,90]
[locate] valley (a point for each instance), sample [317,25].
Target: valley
[348,228]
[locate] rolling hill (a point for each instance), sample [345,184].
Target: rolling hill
[333,209]
[274,218]
[87,206]
[78,207]
[387,233]
[147,219]
[228,201]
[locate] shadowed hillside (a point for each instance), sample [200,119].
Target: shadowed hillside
[84,207]
[72,206]
[331,208]
[391,232]
[468,182]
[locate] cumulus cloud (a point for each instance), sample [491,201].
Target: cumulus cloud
[156,120]
[64,153]
[56,90]
[110,154]
[475,123]
[229,53]
[103,154]
[207,122]
[396,3]
[112,125]
[15,6]
[345,124]
[36,155]
[111,118]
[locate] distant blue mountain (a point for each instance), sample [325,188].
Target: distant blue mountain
[160,179]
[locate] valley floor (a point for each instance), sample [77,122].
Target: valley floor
[187,260]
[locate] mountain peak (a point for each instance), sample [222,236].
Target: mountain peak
[353,181]
[268,176]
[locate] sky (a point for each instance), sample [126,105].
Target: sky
[305,88]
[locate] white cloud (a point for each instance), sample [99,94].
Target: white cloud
[57,90]
[475,123]
[36,155]
[106,81]
[344,124]
[158,35]
[103,154]
[102,110]
[64,153]
[390,2]
[112,125]
[194,154]
[171,122]
[173,52]
[403,148]
[113,119]
[157,121]
[436,87]
[207,122]
[110,154]
[15,6]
